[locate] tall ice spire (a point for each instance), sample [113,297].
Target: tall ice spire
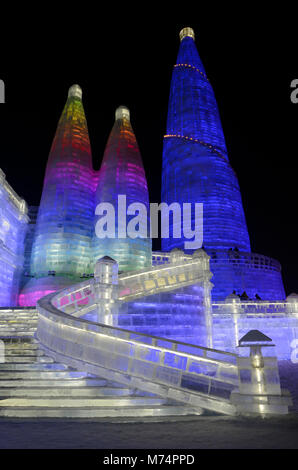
[122,173]
[65,219]
[196,167]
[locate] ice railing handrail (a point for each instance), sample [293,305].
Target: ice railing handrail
[173,343]
[180,272]
[192,374]
[154,364]
[143,282]
[235,257]
[251,307]
[243,258]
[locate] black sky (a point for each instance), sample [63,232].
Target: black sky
[250,61]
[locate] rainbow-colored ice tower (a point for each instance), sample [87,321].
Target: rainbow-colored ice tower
[196,166]
[62,243]
[122,174]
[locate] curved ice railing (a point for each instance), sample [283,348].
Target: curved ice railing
[201,377]
[240,258]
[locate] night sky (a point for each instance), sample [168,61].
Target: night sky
[250,61]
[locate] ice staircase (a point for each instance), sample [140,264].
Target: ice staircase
[77,366]
[32,384]
[198,377]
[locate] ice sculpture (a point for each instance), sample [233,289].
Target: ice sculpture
[122,173]
[65,218]
[183,314]
[37,288]
[13,226]
[196,167]
[201,377]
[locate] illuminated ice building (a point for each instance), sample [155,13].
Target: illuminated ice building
[122,173]
[196,169]
[13,227]
[64,244]
[64,226]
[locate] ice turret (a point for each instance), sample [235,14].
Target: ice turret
[122,174]
[196,166]
[65,218]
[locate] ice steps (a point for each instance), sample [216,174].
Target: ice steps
[18,322]
[98,412]
[54,383]
[82,402]
[63,392]
[35,366]
[34,385]
[40,374]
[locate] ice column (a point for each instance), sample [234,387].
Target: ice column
[106,290]
[259,384]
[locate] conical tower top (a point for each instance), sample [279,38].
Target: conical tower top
[195,158]
[187,32]
[76,91]
[122,112]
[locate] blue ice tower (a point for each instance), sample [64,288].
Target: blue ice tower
[196,166]
[196,169]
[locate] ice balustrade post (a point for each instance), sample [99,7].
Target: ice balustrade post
[259,383]
[233,308]
[106,290]
[292,304]
[207,287]
[176,256]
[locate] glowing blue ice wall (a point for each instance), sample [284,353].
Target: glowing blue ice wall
[183,314]
[239,271]
[196,167]
[250,272]
[13,225]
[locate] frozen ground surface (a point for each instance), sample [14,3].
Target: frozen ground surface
[202,432]
[205,432]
